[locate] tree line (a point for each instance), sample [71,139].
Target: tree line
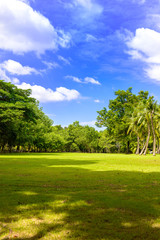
[131,121]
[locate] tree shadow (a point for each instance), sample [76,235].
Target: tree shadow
[82,204]
[47,162]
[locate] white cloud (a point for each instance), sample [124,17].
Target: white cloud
[91,38]
[65,60]
[154,72]
[136,55]
[91,80]
[145,46]
[142,1]
[97,101]
[75,79]
[90,123]
[139,1]
[143,42]
[89,6]
[86,80]
[22,29]
[15,68]
[64,39]
[48,95]
[3,76]
[85,11]
[43,94]
[15,81]
[51,65]
[50,114]
[26,1]
[153,20]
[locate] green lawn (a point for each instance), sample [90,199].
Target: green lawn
[79,196]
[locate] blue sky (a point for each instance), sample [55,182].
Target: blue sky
[74,54]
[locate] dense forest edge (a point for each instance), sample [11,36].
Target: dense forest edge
[132,125]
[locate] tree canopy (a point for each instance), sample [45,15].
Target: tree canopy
[131,121]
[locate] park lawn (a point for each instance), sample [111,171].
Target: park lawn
[79,196]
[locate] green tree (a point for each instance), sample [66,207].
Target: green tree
[116,118]
[16,106]
[22,122]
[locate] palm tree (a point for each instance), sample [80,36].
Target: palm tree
[134,127]
[153,110]
[140,124]
[145,120]
[145,124]
[137,125]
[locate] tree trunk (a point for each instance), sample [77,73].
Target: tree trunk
[147,142]
[10,148]
[154,135]
[154,145]
[119,148]
[2,149]
[158,147]
[144,144]
[128,143]
[137,151]
[29,147]
[18,148]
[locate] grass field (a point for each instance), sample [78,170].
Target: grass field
[79,196]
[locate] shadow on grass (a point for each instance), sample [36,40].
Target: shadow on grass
[92,205]
[47,162]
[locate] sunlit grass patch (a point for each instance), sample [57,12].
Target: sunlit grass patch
[79,196]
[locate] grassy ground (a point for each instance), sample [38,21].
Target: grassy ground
[79,196]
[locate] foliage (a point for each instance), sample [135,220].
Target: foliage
[131,121]
[131,118]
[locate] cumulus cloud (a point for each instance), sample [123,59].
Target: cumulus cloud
[3,76]
[143,43]
[145,46]
[15,68]
[22,29]
[86,80]
[15,81]
[48,95]
[154,72]
[43,94]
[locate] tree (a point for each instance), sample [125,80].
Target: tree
[16,106]
[115,119]
[20,116]
[144,121]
